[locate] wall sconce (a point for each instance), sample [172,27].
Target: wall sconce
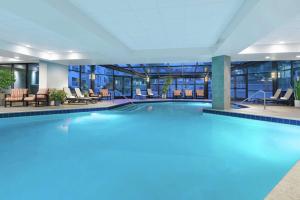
[273,75]
[206,78]
[92,76]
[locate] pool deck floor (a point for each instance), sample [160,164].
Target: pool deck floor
[286,189]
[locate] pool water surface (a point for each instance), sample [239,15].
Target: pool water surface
[153,151]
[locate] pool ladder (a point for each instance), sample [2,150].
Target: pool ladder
[124,97]
[259,91]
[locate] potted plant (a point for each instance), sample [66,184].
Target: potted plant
[57,97]
[6,80]
[165,87]
[297,93]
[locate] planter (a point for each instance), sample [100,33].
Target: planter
[2,96]
[164,96]
[57,103]
[52,103]
[297,103]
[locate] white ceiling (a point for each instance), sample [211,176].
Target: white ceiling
[144,31]
[156,24]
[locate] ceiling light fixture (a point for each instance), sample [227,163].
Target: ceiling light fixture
[50,52]
[27,45]
[281,42]
[268,57]
[17,57]
[298,56]
[71,51]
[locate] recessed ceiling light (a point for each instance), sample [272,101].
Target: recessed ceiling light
[27,45]
[17,57]
[281,42]
[70,51]
[268,57]
[50,52]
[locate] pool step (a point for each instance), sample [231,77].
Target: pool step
[127,108]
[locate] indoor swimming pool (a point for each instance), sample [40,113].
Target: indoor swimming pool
[161,151]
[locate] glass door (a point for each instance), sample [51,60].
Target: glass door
[122,86]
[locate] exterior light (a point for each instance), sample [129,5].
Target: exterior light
[147,79]
[273,75]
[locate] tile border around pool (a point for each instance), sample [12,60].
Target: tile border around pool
[255,117]
[211,111]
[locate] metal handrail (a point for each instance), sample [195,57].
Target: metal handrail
[130,100]
[259,91]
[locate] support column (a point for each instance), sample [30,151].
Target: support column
[53,75]
[221,82]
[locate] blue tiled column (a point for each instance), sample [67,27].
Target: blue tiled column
[221,82]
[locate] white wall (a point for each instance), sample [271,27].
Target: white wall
[53,75]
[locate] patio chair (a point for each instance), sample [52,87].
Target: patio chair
[150,93]
[188,93]
[138,93]
[93,95]
[199,93]
[176,93]
[81,96]
[42,96]
[105,94]
[16,95]
[287,97]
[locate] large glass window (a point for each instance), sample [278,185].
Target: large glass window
[284,75]
[33,78]
[20,75]
[259,78]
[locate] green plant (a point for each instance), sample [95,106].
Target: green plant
[6,79]
[57,95]
[166,85]
[297,89]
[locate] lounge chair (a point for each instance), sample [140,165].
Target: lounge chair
[81,96]
[70,98]
[105,93]
[41,96]
[92,94]
[176,93]
[287,97]
[188,93]
[150,93]
[138,93]
[16,95]
[275,97]
[199,93]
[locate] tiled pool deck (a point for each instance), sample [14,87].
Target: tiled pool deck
[287,188]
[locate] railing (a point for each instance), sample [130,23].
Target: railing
[120,93]
[254,94]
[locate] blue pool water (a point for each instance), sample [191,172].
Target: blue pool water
[159,151]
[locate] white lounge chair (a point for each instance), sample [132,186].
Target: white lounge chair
[138,93]
[275,97]
[82,97]
[286,97]
[150,93]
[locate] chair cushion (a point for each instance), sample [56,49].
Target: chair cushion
[43,91]
[13,98]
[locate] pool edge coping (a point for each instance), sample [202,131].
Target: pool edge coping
[205,110]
